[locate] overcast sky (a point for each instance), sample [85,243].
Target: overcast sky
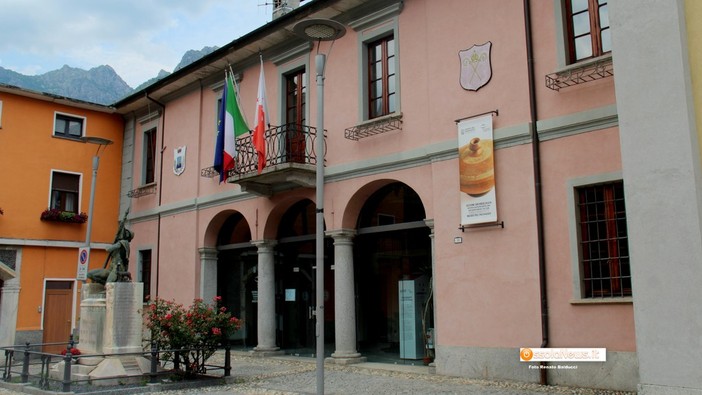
[136,37]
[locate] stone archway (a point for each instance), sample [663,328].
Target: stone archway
[392,248]
[229,270]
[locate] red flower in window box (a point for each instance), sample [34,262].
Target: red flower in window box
[63,216]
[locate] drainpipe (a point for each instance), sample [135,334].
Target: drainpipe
[160,188]
[536,155]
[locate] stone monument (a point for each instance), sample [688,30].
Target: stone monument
[111,319]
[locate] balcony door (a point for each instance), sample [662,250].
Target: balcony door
[295,107]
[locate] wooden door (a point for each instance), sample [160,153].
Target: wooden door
[58,307]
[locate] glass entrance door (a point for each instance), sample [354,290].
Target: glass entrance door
[296,278]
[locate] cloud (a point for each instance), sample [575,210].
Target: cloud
[136,37]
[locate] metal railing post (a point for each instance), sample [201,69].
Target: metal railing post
[154,363]
[25,364]
[67,369]
[6,365]
[227,359]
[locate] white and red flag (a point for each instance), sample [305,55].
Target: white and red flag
[261,123]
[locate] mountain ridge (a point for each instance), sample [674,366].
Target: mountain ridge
[100,85]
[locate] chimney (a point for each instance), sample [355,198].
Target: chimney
[282,7]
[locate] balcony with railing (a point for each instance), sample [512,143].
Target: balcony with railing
[290,161]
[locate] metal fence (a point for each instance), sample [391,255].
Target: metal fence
[29,365]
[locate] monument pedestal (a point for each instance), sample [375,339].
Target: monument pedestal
[123,319]
[111,323]
[92,322]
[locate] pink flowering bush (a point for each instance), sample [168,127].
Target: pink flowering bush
[201,326]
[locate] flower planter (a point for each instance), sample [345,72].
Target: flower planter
[63,216]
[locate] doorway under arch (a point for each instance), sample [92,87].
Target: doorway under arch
[237,262]
[295,274]
[392,244]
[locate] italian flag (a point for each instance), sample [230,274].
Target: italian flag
[230,125]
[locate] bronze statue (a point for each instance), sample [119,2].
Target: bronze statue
[118,258]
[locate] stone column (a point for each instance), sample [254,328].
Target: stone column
[344,299]
[266,298]
[208,273]
[8,311]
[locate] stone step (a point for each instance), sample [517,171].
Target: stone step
[131,366]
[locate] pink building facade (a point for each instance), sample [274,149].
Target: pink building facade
[551,271]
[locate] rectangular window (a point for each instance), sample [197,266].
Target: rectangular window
[149,156]
[65,189]
[588,29]
[144,273]
[382,98]
[68,126]
[295,103]
[604,250]
[295,97]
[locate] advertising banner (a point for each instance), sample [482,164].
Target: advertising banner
[476,170]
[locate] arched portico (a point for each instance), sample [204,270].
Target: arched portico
[229,270]
[391,242]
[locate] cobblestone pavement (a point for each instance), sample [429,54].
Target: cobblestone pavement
[294,375]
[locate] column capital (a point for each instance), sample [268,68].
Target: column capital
[208,253]
[264,244]
[11,286]
[341,234]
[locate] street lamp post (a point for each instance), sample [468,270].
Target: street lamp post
[100,142]
[320,30]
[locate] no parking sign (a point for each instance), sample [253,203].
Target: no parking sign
[83,260]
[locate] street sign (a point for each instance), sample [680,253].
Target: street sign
[83,260]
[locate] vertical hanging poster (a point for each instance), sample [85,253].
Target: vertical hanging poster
[476,170]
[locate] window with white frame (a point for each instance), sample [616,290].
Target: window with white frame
[65,191]
[69,126]
[602,254]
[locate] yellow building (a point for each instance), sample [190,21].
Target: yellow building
[47,172]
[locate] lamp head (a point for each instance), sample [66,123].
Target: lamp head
[319,29]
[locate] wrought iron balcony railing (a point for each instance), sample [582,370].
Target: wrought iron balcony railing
[285,145]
